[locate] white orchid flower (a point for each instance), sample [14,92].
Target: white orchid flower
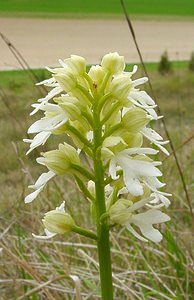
[57,89]
[55,117]
[155,138]
[124,213]
[143,100]
[134,169]
[49,234]
[145,222]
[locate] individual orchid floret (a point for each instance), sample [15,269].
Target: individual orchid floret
[70,105]
[143,100]
[155,139]
[120,87]
[123,212]
[113,63]
[50,234]
[97,75]
[54,118]
[134,168]
[135,119]
[57,89]
[91,187]
[67,80]
[77,64]
[57,221]
[111,146]
[60,161]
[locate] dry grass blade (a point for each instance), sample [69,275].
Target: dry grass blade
[77,284]
[21,262]
[42,286]
[157,277]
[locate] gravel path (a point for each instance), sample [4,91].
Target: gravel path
[43,41]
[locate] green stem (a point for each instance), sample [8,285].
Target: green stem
[84,189]
[83,171]
[102,227]
[84,232]
[111,111]
[88,117]
[105,81]
[89,80]
[110,180]
[85,93]
[102,101]
[79,135]
[111,130]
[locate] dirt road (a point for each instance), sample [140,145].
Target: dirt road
[43,41]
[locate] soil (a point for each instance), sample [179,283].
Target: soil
[43,41]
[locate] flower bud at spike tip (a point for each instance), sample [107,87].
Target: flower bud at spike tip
[97,74]
[58,221]
[113,63]
[77,64]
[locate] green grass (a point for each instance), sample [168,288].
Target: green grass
[146,7]
[142,271]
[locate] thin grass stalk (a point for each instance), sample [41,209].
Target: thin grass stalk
[189,139]
[22,62]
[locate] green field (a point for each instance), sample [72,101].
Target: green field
[34,269]
[146,7]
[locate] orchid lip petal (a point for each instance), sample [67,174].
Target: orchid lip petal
[29,198]
[39,185]
[139,204]
[112,170]
[145,223]
[47,235]
[134,232]
[140,151]
[44,178]
[140,81]
[38,140]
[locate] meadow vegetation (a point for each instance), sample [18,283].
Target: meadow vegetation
[42,269]
[146,7]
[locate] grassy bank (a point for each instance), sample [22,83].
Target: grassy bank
[34,269]
[146,7]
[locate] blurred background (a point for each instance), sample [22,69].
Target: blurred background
[92,29]
[35,34]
